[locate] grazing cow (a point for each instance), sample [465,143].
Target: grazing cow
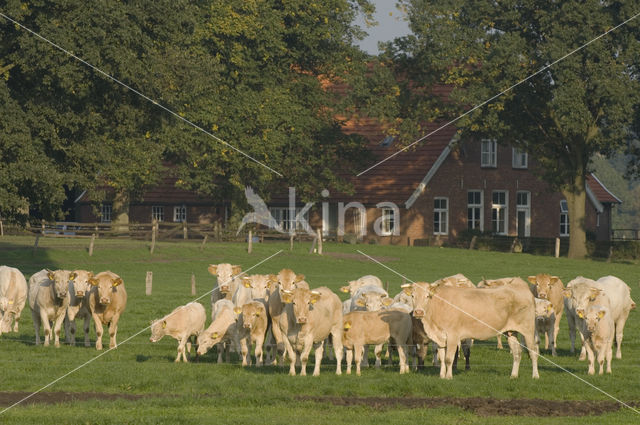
[13,296]
[182,323]
[286,280]
[226,283]
[107,300]
[582,291]
[376,327]
[48,299]
[597,328]
[307,320]
[545,323]
[354,285]
[550,288]
[222,330]
[450,314]
[79,290]
[252,328]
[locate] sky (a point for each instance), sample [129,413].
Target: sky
[390,25]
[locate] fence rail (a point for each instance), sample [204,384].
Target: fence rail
[625,234]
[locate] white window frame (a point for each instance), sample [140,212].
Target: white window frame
[281,216]
[106,211]
[489,153]
[476,208]
[441,213]
[387,221]
[157,213]
[564,218]
[180,214]
[500,213]
[359,223]
[519,159]
[527,210]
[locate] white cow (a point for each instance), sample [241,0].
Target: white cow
[13,296]
[226,283]
[48,300]
[354,285]
[545,323]
[79,290]
[182,323]
[222,330]
[597,328]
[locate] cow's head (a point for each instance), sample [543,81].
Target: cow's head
[544,308]
[373,300]
[158,330]
[543,283]
[252,313]
[592,316]
[106,284]
[302,300]
[288,280]
[81,284]
[208,339]
[225,273]
[259,285]
[61,280]
[420,293]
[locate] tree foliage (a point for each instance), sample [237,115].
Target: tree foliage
[582,105]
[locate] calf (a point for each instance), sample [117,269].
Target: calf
[13,296]
[222,330]
[79,290]
[226,282]
[354,285]
[545,323]
[550,288]
[182,323]
[48,299]
[376,327]
[252,328]
[107,301]
[597,328]
[308,319]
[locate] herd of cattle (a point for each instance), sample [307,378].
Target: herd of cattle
[282,314]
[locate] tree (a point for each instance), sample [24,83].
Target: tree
[581,105]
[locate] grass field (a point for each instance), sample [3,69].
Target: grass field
[159,391]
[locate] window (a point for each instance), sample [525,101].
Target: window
[157,213]
[499,212]
[523,214]
[285,219]
[440,216]
[520,159]
[474,210]
[489,154]
[388,224]
[564,218]
[105,213]
[180,214]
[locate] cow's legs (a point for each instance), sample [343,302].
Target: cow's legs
[349,359]
[533,353]
[572,331]
[336,339]
[244,351]
[359,350]
[443,369]
[113,330]
[450,353]
[601,357]
[402,355]
[181,345]
[609,354]
[318,358]
[619,333]
[516,351]
[466,350]
[57,327]
[44,319]
[99,330]
[16,319]
[590,357]
[36,325]
[258,350]
[87,324]
[377,350]
[556,329]
[552,340]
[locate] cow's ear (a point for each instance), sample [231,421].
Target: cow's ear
[407,288]
[387,301]
[344,289]
[213,269]
[164,324]
[93,281]
[532,279]
[315,296]
[601,314]
[236,269]
[567,293]
[299,278]
[50,275]
[360,302]
[246,281]
[117,282]
[580,313]
[237,310]
[554,279]
[73,275]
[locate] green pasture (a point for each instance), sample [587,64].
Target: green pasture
[206,392]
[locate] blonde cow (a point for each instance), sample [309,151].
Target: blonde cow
[182,324]
[376,327]
[227,281]
[107,301]
[545,323]
[222,330]
[251,328]
[597,328]
[13,296]
[550,288]
[307,320]
[79,289]
[48,299]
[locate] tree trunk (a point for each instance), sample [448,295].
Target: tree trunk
[576,197]
[120,221]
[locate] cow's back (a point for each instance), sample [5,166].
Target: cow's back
[326,313]
[619,295]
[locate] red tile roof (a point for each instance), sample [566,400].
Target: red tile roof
[600,191]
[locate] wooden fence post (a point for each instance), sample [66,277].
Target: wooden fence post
[184,230]
[313,244]
[35,245]
[1,229]
[319,232]
[250,242]
[193,284]
[153,236]
[149,283]
[473,242]
[291,241]
[93,239]
[557,247]
[204,241]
